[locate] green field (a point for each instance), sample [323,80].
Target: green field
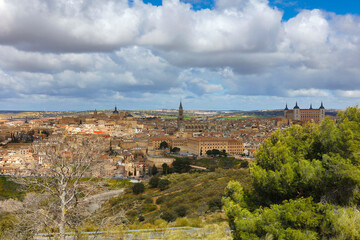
[175,117]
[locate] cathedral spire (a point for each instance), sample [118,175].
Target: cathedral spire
[180,119]
[181,111]
[180,107]
[115,111]
[286,107]
[322,106]
[311,106]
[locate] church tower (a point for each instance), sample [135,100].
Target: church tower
[180,120]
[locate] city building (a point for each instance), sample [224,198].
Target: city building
[201,145]
[310,114]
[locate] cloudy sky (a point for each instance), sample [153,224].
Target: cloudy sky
[222,54]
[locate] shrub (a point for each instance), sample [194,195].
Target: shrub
[244,164]
[215,204]
[154,170]
[165,168]
[138,188]
[7,223]
[182,222]
[181,210]
[148,199]
[163,184]
[195,222]
[160,200]
[149,207]
[154,181]
[168,216]
[161,223]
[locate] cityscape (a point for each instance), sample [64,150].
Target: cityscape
[134,143]
[179,119]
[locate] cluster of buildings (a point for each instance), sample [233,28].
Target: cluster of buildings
[133,142]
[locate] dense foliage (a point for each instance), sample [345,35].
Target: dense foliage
[154,170]
[154,181]
[220,162]
[164,145]
[181,165]
[216,152]
[138,188]
[306,184]
[163,184]
[175,150]
[166,169]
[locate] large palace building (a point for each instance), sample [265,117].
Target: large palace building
[310,114]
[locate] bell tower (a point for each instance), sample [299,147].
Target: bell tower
[180,120]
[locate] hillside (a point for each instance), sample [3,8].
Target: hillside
[195,196]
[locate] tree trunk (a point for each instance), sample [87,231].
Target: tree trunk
[62,214]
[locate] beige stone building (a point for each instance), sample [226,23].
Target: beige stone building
[200,145]
[159,161]
[154,142]
[305,115]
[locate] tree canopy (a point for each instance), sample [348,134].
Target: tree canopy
[164,145]
[305,179]
[181,165]
[216,152]
[175,150]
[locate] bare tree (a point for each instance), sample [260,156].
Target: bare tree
[63,167]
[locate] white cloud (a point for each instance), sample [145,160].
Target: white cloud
[96,49]
[308,30]
[349,94]
[308,93]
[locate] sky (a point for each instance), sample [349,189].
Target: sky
[211,54]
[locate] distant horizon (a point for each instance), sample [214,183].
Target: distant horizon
[174,109]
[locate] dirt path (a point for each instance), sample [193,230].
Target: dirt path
[103,196]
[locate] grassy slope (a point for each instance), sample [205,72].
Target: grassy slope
[224,162]
[193,190]
[9,189]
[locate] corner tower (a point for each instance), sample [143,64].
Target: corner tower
[286,110]
[322,111]
[297,112]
